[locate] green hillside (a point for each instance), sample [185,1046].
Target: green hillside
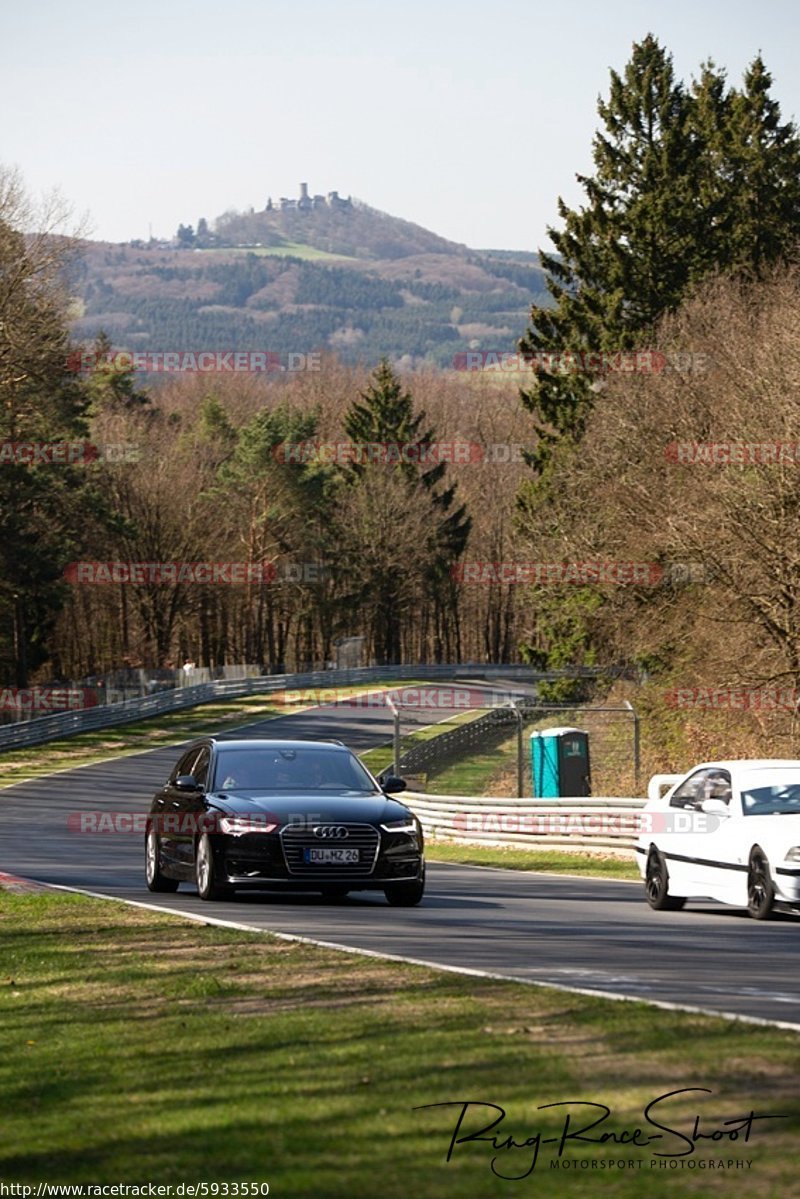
[352,281]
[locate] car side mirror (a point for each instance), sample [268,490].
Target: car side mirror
[187,782]
[715,807]
[393,785]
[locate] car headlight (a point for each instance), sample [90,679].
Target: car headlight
[793,855]
[245,824]
[401,826]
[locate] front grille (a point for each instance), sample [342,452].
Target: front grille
[363,837]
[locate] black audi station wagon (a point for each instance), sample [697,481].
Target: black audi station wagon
[282,815]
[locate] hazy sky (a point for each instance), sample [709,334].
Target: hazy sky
[469,118]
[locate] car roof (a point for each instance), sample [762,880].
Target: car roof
[274,743]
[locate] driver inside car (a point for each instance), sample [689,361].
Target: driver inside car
[242,779]
[718,786]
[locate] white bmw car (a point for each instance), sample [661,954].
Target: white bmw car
[728,831]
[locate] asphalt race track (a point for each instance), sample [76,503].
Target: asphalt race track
[585,934]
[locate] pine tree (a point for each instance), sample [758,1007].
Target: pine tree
[764,171]
[685,183]
[384,417]
[278,505]
[626,257]
[111,380]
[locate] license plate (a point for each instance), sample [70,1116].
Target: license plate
[330,855]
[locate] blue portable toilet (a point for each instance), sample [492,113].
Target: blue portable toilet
[560,763]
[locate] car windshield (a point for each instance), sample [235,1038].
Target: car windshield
[282,769]
[779,799]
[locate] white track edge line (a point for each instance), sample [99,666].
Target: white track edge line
[470,971]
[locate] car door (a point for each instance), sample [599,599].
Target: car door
[727,871]
[171,808]
[194,807]
[708,837]
[689,848]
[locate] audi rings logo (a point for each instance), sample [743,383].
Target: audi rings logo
[333,832]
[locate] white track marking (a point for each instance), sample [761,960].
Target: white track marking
[470,971]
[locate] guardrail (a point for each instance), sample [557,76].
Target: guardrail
[67,724]
[601,823]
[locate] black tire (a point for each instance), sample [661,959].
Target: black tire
[656,885]
[405,895]
[760,889]
[206,872]
[156,880]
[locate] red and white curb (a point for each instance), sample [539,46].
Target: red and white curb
[11,882]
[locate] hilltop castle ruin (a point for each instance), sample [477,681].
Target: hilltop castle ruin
[307,203]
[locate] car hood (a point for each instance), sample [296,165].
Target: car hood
[371,809]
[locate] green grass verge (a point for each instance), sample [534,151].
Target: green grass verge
[473,775]
[379,758]
[593,864]
[138,1048]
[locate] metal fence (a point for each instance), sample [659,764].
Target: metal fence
[496,742]
[41,729]
[432,755]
